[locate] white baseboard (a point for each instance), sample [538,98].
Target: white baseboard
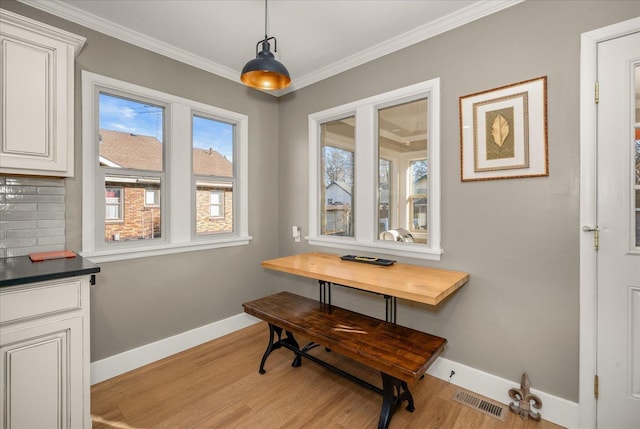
[554,409]
[131,359]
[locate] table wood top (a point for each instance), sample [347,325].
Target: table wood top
[411,282]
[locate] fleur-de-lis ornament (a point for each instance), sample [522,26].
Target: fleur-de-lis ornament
[525,401]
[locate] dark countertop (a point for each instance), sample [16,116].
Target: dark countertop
[20,270]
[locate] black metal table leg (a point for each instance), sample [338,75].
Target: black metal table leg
[325,292]
[391,308]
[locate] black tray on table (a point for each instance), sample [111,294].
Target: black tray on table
[368,260]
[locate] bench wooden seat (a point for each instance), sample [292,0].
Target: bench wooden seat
[402,355]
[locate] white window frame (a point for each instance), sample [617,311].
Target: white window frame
[179,214]
[366,172]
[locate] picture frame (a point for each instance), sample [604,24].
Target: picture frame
[503,132]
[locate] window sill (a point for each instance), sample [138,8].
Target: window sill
[409,250]
[121,254]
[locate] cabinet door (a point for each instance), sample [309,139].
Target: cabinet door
[36,112]
[42,369]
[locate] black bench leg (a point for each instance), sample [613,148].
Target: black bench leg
[271,346]
[289,341]
[391,402]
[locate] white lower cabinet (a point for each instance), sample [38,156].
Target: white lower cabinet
[44,355]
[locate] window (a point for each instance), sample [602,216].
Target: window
[636,164]
[212,141]
[384,189]
[137,145]
[113,204]
[337,167]
[152,197]
[374,180]
[402,142]
[418,196]
[130,160]
[216,204]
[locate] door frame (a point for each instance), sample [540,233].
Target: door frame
[588,183]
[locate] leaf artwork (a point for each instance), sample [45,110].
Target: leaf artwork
[500,130]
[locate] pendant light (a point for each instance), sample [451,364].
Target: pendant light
[264,71]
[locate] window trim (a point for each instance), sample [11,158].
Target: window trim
[366,156]
[178,185]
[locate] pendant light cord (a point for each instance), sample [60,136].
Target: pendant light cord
[266,11]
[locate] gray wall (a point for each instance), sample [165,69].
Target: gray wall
[139,301]
[518,238]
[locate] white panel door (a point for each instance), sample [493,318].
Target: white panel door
[618,255]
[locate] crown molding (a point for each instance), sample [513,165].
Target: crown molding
[431,29]
[125,34]
[471,13]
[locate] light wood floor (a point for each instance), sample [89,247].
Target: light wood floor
[217,385]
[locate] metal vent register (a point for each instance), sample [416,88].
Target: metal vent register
[490,408]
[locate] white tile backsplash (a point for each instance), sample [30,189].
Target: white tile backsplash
[31,215]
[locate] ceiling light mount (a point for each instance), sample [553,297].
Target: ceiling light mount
[264,71]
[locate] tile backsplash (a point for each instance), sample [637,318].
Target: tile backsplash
[31,215]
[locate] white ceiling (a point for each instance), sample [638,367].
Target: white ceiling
[316,38]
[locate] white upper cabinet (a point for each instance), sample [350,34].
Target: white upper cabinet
[36,114]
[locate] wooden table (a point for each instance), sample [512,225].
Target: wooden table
[411,282]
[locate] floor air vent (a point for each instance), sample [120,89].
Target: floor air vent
[490,408]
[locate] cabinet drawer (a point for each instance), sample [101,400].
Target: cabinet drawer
[39,300]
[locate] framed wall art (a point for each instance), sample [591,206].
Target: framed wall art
[503,132]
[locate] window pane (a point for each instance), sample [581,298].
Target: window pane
[637,153]
[337,170]
[113,204]
[403,167]
[212,156]
[418,201]
[212,144]
[637,218]
[216,201]
[130,134]
[214,207]
[151,197]
[127,217]
[384,190]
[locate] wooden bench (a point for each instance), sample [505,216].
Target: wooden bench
[402,355]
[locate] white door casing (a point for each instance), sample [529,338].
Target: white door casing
[610,276]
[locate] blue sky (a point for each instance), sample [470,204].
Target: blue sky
[120,114]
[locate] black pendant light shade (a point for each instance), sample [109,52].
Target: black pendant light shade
[264,71]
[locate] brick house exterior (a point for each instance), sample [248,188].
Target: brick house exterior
[137,221]
[206,224]
[133,206]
